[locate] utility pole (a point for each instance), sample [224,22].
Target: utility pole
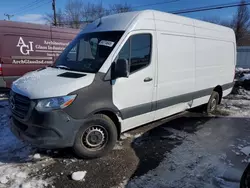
[8,16]
[54,10]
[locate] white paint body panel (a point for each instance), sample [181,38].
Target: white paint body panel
[227,92]
[46,83]
[133,91]
[189,56]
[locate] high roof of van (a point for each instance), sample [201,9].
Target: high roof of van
[12,25]
[133,20]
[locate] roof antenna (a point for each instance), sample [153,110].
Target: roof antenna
[100,22]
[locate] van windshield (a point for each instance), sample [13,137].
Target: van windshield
[88,51]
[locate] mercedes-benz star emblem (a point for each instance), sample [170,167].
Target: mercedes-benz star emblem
[12,103]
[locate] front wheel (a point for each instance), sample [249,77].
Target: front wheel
[96,137]
[213,102]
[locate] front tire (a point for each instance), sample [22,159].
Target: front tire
[96,137]
[213,102]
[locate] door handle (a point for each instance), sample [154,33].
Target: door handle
[148,79]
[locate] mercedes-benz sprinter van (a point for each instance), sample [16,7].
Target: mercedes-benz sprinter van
[120,72]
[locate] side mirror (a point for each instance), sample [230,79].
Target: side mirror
[121,68]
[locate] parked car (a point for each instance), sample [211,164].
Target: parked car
[26,47]
[120,72]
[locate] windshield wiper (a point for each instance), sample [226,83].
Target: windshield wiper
[62,67]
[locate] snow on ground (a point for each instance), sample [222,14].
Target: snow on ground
[18,168]
[236,105]
[126,136]
[245,77]
[239,69]
[246,150]
[194,163]
[78,176]
[191,164]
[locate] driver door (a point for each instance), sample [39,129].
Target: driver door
[133,96]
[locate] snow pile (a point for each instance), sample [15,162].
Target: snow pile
[245,77]
[14,170]
[3,180]
[14,176]
[239,70]
[118,147]
[191,164]
[126,136]
[78,176]
[246,150]
[37,156]
[236,105]
[121,185]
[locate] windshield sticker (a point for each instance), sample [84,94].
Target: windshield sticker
[106,43]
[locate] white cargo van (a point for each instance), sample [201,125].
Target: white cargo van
[120,72]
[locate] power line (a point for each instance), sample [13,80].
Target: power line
[33,6]
[197,9]
[110,10]
[25,6]
[153,4]
[212,7]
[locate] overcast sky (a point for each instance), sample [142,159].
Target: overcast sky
[23,10]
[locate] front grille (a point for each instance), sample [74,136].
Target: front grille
[20,125]
[19,105]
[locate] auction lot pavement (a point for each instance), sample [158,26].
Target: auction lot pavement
[189,150]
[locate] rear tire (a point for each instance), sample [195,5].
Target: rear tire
[213,102]
[96,137]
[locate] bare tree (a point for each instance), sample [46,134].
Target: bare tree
[49,18]
[77,13]
[91,12]
[73,12]
[60,17]
[120,8]
[241,21]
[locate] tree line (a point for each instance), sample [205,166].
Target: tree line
[77,13]
[240,22]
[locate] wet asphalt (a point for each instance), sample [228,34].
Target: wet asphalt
[146,147]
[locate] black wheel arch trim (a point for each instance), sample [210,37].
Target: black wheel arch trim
[100,110]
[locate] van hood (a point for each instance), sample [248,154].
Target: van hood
[51,82]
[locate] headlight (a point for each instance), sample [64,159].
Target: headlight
[46,105]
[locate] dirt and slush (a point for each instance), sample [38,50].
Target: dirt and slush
[188,150]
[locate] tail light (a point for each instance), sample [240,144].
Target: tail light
[1,70]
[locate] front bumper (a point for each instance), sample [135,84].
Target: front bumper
[54,129]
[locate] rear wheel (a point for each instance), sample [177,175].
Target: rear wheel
[96,137]
[213,102]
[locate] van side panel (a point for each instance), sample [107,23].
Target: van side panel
[215,59]
[18,60]
[176,66]
[214,63]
